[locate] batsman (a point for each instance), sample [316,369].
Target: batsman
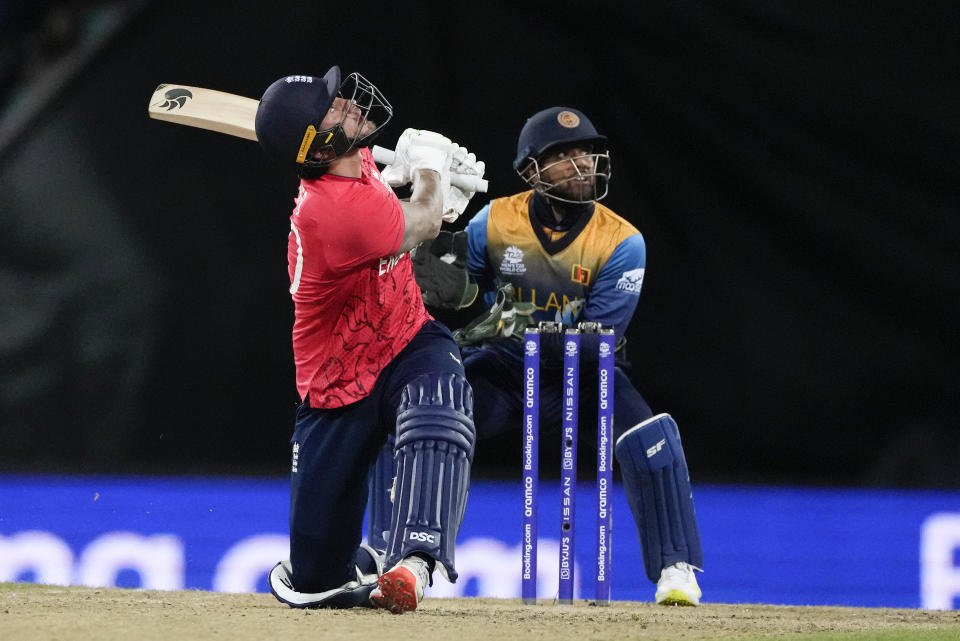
[555,253]
[372,366]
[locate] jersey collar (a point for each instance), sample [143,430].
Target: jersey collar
[541,215]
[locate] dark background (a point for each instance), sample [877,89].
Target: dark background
[793,167]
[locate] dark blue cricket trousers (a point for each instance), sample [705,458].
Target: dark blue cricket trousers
[334,450]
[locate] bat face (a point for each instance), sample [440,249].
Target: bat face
[209,109]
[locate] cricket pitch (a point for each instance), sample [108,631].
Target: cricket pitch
[31,612]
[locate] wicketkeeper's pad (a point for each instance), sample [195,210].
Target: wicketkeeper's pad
[657,481]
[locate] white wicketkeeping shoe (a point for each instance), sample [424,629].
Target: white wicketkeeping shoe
[678,585]
[401,589]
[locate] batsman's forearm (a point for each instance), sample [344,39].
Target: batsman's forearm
[422,213]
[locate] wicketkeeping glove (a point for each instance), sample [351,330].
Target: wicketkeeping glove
[507,318]
[418,149]
[455,200]
[440,267]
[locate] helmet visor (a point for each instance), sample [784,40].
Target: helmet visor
[357,116]
[580,178]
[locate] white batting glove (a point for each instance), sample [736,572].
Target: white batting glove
[455,200]
[396,174]
[417,149]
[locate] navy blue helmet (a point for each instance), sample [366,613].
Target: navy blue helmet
[552,130]
[292,108]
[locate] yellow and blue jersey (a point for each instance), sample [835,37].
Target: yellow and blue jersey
[593,272]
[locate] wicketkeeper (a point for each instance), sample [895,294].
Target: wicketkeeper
[554,253]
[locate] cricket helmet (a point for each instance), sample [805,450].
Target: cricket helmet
[551,130]
[292,109]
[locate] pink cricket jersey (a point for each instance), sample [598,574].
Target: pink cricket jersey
[356,303]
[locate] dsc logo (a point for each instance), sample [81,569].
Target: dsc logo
[422,537]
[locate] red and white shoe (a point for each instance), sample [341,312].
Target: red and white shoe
[401,589]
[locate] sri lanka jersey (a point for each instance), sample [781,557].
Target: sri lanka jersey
[592,273]
[356,303]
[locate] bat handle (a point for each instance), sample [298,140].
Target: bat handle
[382,155]
[465,182]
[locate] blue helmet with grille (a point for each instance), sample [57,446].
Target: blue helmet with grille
[551,130]
[289,117]
[554,127]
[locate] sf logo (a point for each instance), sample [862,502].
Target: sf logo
[653,449]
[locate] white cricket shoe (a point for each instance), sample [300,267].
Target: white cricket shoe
[401,589]
[678,585]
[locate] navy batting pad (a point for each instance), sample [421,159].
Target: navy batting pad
[434,451]
[380,500]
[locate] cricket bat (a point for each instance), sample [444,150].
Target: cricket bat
[235,115]
[219,111]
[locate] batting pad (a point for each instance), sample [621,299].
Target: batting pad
[434,451]
[380,501]
[657,481]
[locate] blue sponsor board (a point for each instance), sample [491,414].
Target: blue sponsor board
[761,544]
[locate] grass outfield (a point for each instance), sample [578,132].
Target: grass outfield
[37,612]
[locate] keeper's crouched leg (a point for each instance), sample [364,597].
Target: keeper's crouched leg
[657,483]
[434,451]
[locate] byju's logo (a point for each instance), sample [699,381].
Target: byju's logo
[175,98]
